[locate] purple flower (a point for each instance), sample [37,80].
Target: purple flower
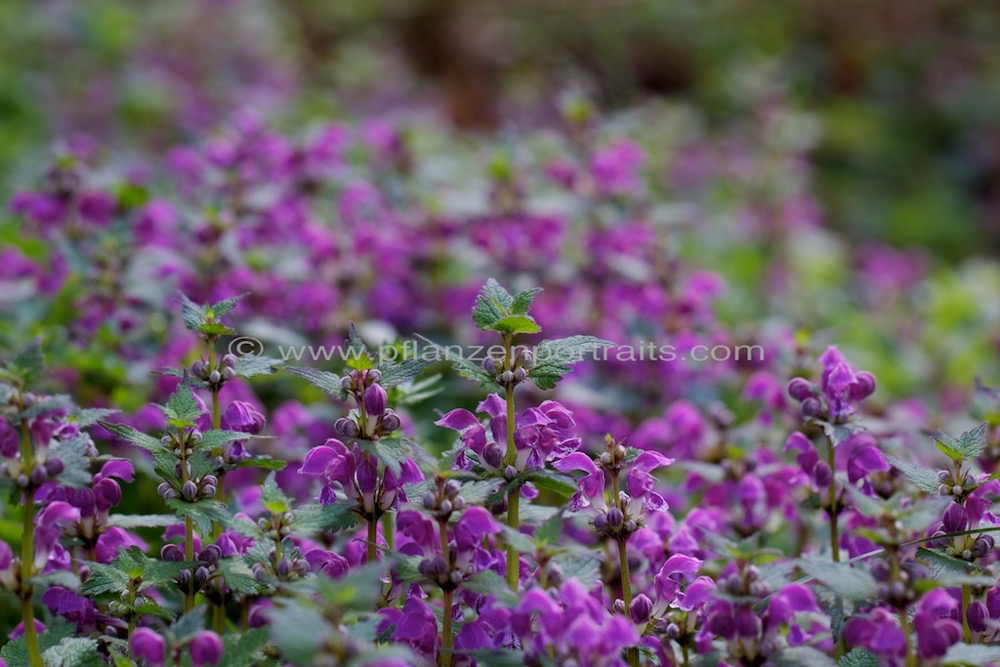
[933,624]
[879,632]
[149,646]
[206,648]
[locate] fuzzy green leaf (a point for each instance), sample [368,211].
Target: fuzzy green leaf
[553,358]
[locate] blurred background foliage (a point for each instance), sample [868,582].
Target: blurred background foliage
[906,92]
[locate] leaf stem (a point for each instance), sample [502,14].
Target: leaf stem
[834,537]
[28,554]
[904,624]
[372,538]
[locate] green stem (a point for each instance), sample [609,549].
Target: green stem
[514,497]
[633,654]
[834,538]
[684,654]
[372,537]
[219,618]
[904,624]
[389,530]
[28,553]
[446,630]
[966,630]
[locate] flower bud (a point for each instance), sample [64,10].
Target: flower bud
[147,645]
[199,369]
[347,383]
[864,385]
[446,506]
[459,503]
[601,522]
[490,365]
[452,487]
[630,526]
[430,501]
[208,491]
[615,518]
[54,466]
[520,374]
[509,473]
[811,407]
[39,475]
[373,376]
[215,377]
[206,649]
[375,400]
[210,554]
[527,358]
[229,360]
[189,491]
[390,422]
[184,578]
[955,519]
[673,631]
[506,377]
[822,474]
[640,609]
[201,576]
[977,615]
[228,374]
[493,455]
[284,568]
[880,570]
[172,553]
[799,389]
[944,477]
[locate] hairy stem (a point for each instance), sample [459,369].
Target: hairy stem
[372,538]
[28,554]
[904,624]
[834,537]
[389,530]
[446,630]
[514,497]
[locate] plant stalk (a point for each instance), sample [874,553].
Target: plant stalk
[446,630]
[904,624]
[834,537]
[372,537]
[28,554]
[966,630]
[514,497]
[633,654]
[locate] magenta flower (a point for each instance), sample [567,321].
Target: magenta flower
[206,648]
[146,645]
[933,624]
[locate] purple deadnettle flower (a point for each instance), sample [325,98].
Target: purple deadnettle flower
[206,649]
[933,624]
[149,646]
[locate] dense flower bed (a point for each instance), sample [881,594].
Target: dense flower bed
[562,478]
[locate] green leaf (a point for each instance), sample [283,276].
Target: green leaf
[273,498]
[76,465]
[584,568]
[322,518]
[860,657]
[217,439]
[181,408]
[390,451]
[944,560]
[188,625]
[55,403]
[192,313]
[223,307]
[492,305]
[358,356]
[238,576]
[971,654]
[517,324]
[488,582]
[553,358]
[872,508]
[129,434]
[465,368]
[249,366]
[837,434]
[522,302]
[262,462]
[966,446]
[394,374]
[918,517]
[29,362]
[298,631]
[850,582]
[497,657]
[91,416]
[216,329]
[73,652]
[203,513]
[15,653]
[243,650]
[104,580]
[923,478]
[328,382]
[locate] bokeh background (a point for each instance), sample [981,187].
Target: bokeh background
[905,93]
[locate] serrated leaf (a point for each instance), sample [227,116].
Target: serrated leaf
[76,465]
[192,314]
[57,403]
[584,568]
[838,434]
[516,324]
[90,416]
[492,305]
[223,307]
[866,505]
[104,580]
[272,497]
[129,434]
[238,576]
[243,650]
[249,366]
[488,582]
[328,382]
[523,300]
[15,653]
[390,451]
[322,518]
[29,361]
[217,439]
[262,462]
[945,560]
[919,516]
[188,624]
[923,478]
[850,582]
[298,631]
[182,408]
[860,657]
[73,652]
[966,446]
[394,374]
[465,368]
[553,358]
[204,513]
